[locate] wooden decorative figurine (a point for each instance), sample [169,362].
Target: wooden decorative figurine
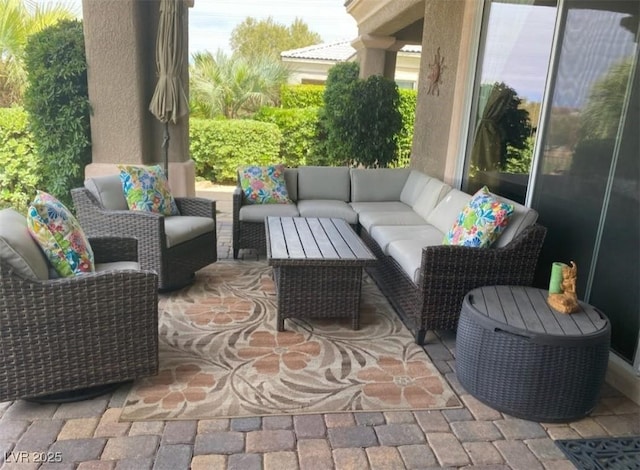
[567,300]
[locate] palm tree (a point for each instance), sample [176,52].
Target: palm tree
[232,86]
[18,20]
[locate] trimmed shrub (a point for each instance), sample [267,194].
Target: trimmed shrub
[58,105]
[302,96]
[20,165]
[298,126]
[407,107]
[336,118]
[219,147]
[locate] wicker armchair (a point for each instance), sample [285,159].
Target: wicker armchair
[69,334]
[174,247]
[447,273]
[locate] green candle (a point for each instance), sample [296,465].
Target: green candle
[555,283]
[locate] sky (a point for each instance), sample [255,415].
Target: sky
[211,21]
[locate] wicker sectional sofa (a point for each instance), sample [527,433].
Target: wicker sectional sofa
[402,215]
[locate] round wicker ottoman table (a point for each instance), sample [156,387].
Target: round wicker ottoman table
[519,356]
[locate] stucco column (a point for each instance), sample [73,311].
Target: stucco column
[376,55]
[442,87]
[120,38]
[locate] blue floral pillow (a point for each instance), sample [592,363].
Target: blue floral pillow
[264,185]
[146,189]
[60,236]
[481,222]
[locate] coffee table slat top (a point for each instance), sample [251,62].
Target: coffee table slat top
[312,240]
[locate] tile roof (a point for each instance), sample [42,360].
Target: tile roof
[335,51]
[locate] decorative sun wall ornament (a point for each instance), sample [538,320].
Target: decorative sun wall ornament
[435,75]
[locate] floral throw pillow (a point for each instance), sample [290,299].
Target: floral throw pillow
[481,222]
[146,189]
[264,184]
[60,236]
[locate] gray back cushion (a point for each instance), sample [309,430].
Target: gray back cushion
[377,184]
[432,193]
[414,185]
[521,217]
[291,180]
[324,182]
[108,191]
[444,215]
[18,249]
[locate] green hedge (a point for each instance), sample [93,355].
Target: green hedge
[20,165]
[408,100]
[299,129]
[302,96]
[219,147]
[57,101]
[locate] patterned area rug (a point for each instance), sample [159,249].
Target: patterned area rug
[620,453]
[221,356]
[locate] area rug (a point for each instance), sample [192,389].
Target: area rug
[221,356]
[621,453]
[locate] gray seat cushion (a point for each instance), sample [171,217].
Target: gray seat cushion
[369,220]
[117,266]
[408,254]
[328,208]
[258,212]
[18,249]
[385,234]
[181,228]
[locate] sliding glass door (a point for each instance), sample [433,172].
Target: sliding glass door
[511,80]
[580,166]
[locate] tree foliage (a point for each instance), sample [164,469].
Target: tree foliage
[20,166]
[233,86]
[335,116]
[361,118]
[600,118]
[58,105]
[18,20]
[258,38]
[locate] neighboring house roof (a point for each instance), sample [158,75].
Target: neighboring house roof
[335,52]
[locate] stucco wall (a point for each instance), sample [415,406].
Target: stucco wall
[120,38]
[435,106]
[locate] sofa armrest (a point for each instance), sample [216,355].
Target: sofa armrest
[238,199]
[113,249]
[196,206]
[447,272]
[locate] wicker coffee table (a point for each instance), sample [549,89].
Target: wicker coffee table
[317,266]
[521,357]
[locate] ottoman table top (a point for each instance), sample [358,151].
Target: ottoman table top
[524,311]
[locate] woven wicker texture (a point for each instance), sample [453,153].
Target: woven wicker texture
[317,265]
[72,333]
[175,265]
[540,377]
[448,273]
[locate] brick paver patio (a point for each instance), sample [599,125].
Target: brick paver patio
[87,435]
